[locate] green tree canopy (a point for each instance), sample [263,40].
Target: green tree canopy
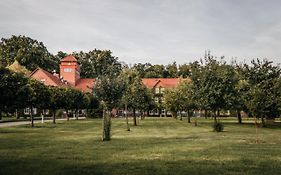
[27,51]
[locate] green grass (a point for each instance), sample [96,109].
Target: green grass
[157,146]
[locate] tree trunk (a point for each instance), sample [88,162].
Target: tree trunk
[134,116]
[42,116]
[76,114]
[0,114]
[31,117]
[127,119]
[67,117]
[106,125]
[142,115]
[215,116]
[17,114]
[54,116]
[263,121]
[180,116]
[174,114]
[86,115]
[238,114]
[206,113]
[188,117]
[256,126]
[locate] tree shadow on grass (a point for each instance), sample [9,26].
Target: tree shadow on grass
[151,165]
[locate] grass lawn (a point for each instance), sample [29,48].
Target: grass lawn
[156,146]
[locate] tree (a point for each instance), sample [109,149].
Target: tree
[172,102]
[39,97]
[27,51]
[172,70]
[97,62]
[15,92]
[184,70]
[83,99]
[109,89]
[214,85]
[180,99]
[127,76]
[57,100]
[262,77]
[138,97]
[186,96]
[156,71]
[94,104]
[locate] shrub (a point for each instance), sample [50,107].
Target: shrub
[218,127]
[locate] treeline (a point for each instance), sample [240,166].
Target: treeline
[216,86]
[32,54]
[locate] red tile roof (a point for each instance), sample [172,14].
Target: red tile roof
[85,84]
[161,82]
[69,58]
[54,78]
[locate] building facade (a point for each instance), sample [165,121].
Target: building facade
[69,76]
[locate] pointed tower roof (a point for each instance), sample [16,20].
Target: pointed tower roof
[69,58]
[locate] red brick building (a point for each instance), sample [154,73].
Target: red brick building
[159,85]
[69,76]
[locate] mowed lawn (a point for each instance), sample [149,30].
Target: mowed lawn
[156,146]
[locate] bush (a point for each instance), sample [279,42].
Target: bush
[218,127]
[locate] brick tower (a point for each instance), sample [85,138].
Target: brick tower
[69,70]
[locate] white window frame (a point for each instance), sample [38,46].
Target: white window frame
[67,70]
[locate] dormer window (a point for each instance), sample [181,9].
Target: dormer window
[67,70]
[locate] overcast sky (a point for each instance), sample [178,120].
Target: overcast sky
[156,31]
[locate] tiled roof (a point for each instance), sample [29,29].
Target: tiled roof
[54,78]
[163,82]
[85,84]
[69,58]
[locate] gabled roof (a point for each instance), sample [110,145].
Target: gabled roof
[54,78]
[69,58]
[85,84]
[161,82]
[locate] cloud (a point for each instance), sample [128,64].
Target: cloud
[150,30]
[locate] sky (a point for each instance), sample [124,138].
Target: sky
[155,31]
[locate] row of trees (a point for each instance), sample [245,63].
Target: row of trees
[215,86]
[173,70]
[19,92]
[32,54]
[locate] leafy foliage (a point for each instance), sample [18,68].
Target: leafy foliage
[27,51]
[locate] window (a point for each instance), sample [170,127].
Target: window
[157,90]
[67,70]
[162,90]
[26,111]
[42,80]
